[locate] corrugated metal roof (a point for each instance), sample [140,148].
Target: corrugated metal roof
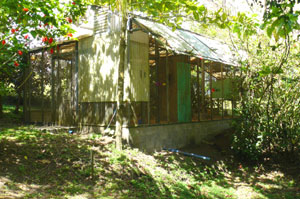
[186,42]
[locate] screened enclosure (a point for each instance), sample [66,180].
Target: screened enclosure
[169,77]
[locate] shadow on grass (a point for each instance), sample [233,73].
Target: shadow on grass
[229,178]
[34,164]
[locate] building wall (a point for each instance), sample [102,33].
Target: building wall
[98,71]
[155,138]
[136,82]
[98,68]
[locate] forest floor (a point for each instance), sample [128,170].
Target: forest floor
[37,164]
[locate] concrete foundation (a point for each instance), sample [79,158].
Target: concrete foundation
[154,138]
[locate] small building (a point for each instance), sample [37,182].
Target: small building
[178,85]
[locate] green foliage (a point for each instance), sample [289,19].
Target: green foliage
[23,24]
[269,117]
[281,18]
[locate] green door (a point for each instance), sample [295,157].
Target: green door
[184,92]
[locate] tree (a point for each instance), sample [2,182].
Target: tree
[269,114]
[22,24]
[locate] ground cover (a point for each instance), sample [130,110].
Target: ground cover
[39,164]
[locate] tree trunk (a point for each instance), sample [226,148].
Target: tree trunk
[120,91]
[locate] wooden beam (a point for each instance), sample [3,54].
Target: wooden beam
[157,80]
[167,87]
[42,85]
[210,87]
[198,89]
[53,107]
[222,89]
[58,93]
[232,101]
[76,82]
[25,91]
[202,87]
[29,90]
[149,98]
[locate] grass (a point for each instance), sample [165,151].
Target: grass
[35,164]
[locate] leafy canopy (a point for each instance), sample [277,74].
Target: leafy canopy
[25,21]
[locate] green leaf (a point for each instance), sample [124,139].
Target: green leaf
[270,30]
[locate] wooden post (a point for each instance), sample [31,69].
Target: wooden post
[76,83]
[149,98]
[167,87]
[53,100]
[25,91]
[58,93]
[222,90]
[42,86]
[210,87]
[29,90]
[24,97]
[198,89]
[232,101]
[157,82]
[202,87]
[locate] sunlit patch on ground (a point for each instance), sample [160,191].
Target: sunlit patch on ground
[35,164]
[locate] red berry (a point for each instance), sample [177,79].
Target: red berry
[73,3]
[69,35]
[51,51]
[3,42]
[16,64]
[25,9]
[20,52]
[26,37]
[69,19]
[13,31]
[44,39]
[213,90]
[57,47]
[50,40]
